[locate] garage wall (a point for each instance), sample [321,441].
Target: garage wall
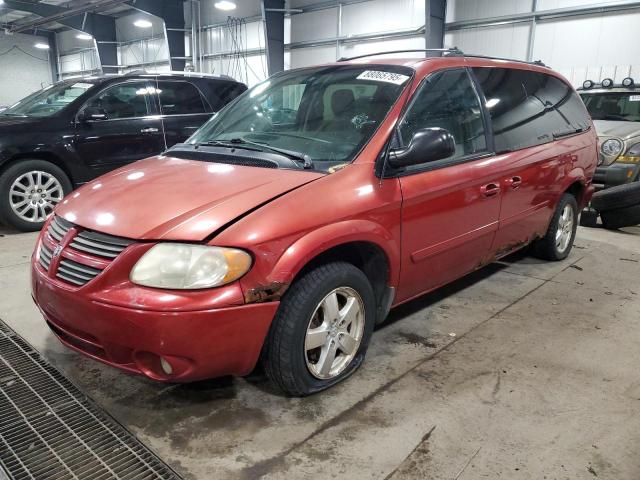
[580,47]
[18,56]
[77,57]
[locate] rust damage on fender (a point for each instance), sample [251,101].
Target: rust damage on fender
[266,293]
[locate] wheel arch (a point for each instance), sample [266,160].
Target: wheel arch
[38,155]
[367,245]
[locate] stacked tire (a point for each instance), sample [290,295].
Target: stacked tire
[619,206]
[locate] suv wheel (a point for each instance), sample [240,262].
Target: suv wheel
[321,331]
[29,191]
[557,242]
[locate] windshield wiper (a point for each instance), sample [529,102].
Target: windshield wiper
[220,143]
[297,156]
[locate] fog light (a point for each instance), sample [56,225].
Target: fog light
[607,83]
[587,84]
[627,82]
[166,366]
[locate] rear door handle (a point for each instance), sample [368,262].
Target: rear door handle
[514,182]
[149,130]
[490,189]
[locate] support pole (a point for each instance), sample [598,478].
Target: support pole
[273,15]
[435,11]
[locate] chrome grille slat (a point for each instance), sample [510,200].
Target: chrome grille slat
[45,257]
[69,279]
[50,429]
[76,272]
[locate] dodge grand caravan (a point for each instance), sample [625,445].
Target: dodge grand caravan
[71,132]
[288,225]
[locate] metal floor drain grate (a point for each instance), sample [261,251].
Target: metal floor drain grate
[50,430]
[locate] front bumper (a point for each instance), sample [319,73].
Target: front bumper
[197,344]
[615,174]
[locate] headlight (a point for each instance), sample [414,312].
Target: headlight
[184,266]
[612,147]
[631,156]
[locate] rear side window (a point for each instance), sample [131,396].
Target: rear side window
[447,100]
[221,92]
[529,108]
[180,98]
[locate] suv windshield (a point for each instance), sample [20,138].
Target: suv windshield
[623,106]
[48,101]
[325,115]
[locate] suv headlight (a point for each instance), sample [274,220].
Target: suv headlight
[612,147]
[185,266]
[631,156]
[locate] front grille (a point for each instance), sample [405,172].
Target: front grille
[49,429]
[106,246]
[58,228]
[75,269]
[45,257]
[76,273]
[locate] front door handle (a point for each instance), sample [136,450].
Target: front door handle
[514,182]
[149,130]
[490,189]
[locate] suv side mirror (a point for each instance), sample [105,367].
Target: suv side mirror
[426,145]
[92,114]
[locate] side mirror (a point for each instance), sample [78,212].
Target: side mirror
[92,114]
[426,145]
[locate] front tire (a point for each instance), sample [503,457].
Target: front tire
[321,331]
[558,241]
[29,191]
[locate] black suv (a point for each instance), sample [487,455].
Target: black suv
[73,131]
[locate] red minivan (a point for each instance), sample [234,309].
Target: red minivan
[286,227]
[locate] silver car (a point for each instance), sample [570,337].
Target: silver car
[615,110]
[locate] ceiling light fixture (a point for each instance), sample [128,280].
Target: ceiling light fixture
[42,46]
[225,5]
[84,36]
[142,23]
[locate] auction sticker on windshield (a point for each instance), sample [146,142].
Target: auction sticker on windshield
[380,76]
[634,98]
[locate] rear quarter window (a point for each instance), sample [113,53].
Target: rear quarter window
[529,108]
[220,92]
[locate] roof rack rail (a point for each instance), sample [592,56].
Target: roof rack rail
[444,51]
[535,62]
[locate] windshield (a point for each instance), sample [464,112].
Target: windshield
[325,115]
[623,106]
[48,101]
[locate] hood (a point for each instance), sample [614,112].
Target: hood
[615,128]
[174,199]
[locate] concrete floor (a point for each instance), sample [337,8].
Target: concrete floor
[522,370]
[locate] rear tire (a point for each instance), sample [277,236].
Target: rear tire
[299,343]
[29,190]
[558,241]
[621,217]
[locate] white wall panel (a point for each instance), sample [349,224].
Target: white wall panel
[144,53]
[458,10]
[594,46]
[364,48]
[508,41]
[80,63]
[305,57]
[18,56]
[250,69]
[314,25]
[551,4]
[381,16]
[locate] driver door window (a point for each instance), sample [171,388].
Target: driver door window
[447,100]
[126,100]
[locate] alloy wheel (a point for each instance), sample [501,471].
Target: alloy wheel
[334,333]
[33,195]
[564,231]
